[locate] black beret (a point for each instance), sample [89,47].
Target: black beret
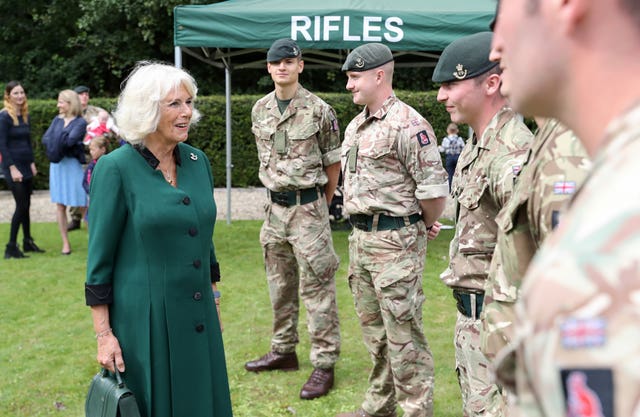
[464,58]
[283,48]
[81,89]
[367,56]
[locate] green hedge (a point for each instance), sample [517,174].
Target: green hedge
[209,135]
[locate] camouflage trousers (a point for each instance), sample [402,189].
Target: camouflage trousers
[299,259]
[480,397]
[385,277]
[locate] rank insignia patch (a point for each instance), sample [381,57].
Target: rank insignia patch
[423,138]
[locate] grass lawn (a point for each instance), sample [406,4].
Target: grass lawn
[47,345]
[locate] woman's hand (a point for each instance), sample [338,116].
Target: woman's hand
[16,175]
[108,350]
[34,170]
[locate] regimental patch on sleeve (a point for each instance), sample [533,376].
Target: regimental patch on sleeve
[579,333]
[588,392]
[334,125]
[423,138]
[564,187]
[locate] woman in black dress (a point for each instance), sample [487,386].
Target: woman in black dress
[18,165]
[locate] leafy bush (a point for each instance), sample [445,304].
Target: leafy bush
[210,134]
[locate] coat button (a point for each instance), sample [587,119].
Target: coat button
[193,231]
[186,201]
[197,296]
[200,328]
[197,263]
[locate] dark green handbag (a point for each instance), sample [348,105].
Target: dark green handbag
[109,397]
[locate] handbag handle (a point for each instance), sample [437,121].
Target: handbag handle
[119,380]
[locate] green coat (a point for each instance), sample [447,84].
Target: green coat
[152,244]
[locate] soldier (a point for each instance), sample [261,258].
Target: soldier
[554,168]
[577,333]
[481,186]
[298,142]
[90,113]
[394,191]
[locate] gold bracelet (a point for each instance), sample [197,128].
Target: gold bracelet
[104,333]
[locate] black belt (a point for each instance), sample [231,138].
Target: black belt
[463,299]
[365,221]
[295,197]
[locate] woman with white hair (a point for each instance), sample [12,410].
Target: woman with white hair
[152,272]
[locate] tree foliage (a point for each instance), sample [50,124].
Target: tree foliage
[51,45]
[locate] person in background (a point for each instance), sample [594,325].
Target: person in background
[98,127]
[298,144]
[152,271]
[93,115]
[65,176]
[481,186]
[97,148]
[18,166]
[451,146]
[395,189]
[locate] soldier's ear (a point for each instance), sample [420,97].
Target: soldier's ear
[492,84]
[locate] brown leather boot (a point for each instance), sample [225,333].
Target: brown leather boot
[319,383]
[272,361]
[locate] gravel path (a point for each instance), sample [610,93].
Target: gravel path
[246,204]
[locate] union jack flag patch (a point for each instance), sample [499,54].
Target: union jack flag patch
[564,187]
[583,333]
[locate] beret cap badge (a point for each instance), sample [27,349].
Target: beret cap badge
[460,72]
[359,62]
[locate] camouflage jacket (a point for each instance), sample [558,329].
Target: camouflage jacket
[390,160]
[295,147]
[553,169]
[578,343]
[481,186]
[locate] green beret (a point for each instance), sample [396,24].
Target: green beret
[367,56]
[81,89]
[464,58]
[283,48]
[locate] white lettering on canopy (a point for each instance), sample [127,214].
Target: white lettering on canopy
[322,28]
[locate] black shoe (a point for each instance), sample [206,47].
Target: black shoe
[74,225]
[272,361]
[28,245]
[13,251]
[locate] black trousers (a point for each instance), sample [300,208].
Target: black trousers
[22,195]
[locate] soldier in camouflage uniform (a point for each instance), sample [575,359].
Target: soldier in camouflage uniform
[577,334]
[394,191]
[298,144]
[481,186]
[554,168]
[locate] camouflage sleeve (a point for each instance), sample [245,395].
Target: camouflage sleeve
[557,179]
[329,136]
[418,149]
[502,174]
